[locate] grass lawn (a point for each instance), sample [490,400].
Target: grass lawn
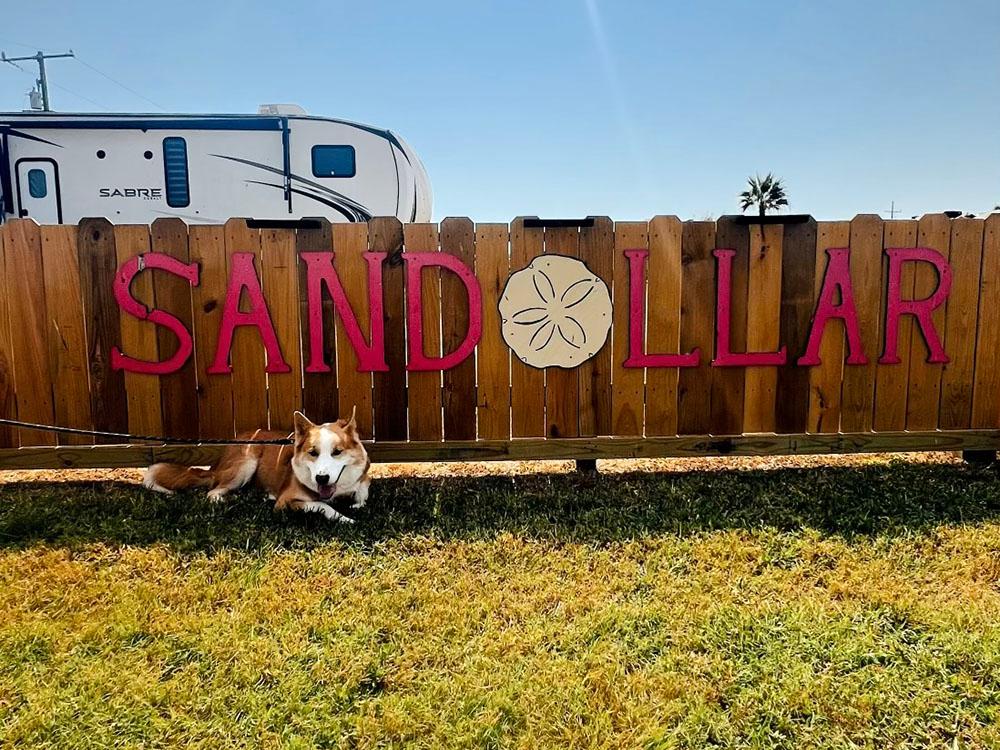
[798,608]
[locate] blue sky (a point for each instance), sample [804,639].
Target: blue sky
[563,109]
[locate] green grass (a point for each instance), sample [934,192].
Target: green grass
[826,607]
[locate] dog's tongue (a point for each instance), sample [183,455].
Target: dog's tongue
[325,491]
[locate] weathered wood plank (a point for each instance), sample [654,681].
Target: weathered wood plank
[215,392]
[280,277]
[139,337]
[26,298]
[425,387]
[492,354]
[986,387]
[763,333]
[663,322]
[597,244]
[98,263]
[319,389]
[178,390]
[826,378]
[354,389]
[67,336]
[857,394]
[694,389]
[458,237]
[891,380]
[627,383]
[728,382]
[562,391]
[247,353]
[798,265]
[527,391]
[114,456]
[385,235]
[924,393]
[8,402]
[961,317]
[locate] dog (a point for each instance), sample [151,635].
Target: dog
[325,461]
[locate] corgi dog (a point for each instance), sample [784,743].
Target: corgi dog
[325,461]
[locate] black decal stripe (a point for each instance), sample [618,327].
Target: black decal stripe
[346,211]
[29,137]
[340,197]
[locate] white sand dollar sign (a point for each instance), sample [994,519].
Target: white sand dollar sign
[555,312]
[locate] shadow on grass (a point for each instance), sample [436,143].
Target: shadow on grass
[875,500]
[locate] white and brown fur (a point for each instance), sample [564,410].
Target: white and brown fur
[326,461]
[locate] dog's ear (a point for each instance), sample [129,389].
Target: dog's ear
[352,423]
[302,425]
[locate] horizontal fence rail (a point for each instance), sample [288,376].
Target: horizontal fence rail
[536,339]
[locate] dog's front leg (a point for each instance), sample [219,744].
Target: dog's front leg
[329,513]
[361,493]
[312,506]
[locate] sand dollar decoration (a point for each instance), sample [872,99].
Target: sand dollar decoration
[555,312]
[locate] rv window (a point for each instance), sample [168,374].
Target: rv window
[333,161]
[175,171]
[36,184]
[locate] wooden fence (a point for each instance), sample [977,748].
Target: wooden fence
[60,322]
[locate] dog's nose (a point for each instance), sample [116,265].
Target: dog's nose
[322,479]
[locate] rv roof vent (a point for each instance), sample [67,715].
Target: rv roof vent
[280,109]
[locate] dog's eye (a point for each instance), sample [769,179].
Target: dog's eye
[314,452]
[336,452]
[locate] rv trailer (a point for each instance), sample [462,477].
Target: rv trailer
[275,166]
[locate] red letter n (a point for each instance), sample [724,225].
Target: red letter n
[320,272]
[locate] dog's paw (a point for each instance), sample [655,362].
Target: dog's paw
[217,495]
[358,503]
[330,514]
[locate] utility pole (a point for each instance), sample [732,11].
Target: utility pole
[42,82]
[893,211]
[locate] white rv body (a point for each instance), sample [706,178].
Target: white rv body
[132,169]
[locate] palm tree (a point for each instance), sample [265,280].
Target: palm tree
[767,194]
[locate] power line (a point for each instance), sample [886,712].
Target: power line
[81,96]
[21,44]
[122,85]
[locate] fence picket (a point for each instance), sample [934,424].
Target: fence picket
[215,392]
[8,401]
[139,337]
[458,237]
[694,387]
[66,332]
[492,354]
[825,379]
[425,387]
[96,256]
[179,390]
[385,235]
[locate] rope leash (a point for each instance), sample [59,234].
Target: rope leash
[142,438]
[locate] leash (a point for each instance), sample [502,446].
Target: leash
[142,438]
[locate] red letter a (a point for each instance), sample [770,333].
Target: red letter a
[242,276]
[837,277]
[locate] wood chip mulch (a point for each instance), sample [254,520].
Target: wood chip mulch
[509,468]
